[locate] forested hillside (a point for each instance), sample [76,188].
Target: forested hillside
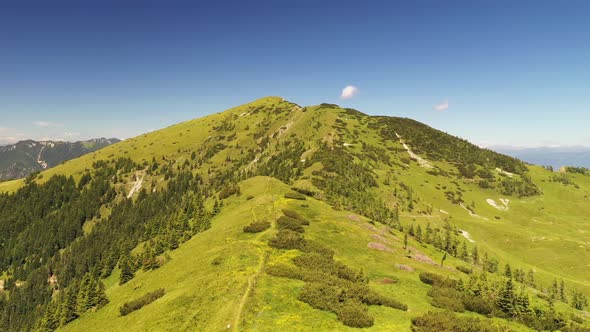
[272,216]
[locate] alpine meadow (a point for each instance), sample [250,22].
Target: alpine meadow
[272,216]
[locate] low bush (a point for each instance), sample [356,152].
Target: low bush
[287,239]
[284,271]
[257,227]
[290,224]
[294,215]
[465,269]
[431,278]
[139,303]
[355,314]
[448,321]
[316,247]
[295,195]
[305,192]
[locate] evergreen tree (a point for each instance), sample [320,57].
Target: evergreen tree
[507,271]
[127,272]
[531,278]
[475,256]
[405,240]
[562,295]
[506,299]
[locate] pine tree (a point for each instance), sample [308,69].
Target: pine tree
[554,290]
[562,295]
[507,271]
[463,253]
[444,258]
[68,307]
[475,256]
[531,278]
[84,295]
[405,240]
[506,299]
[127,272]
[419,233]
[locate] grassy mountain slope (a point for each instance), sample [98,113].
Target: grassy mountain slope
[373,179]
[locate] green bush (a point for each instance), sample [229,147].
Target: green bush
[290,224]
[355,314]
[287,239]
[257,227]
[284,271]
[321,296]
[431,278]
[448,321]
[305,192]
[294,215]
[447,298]
[465,269]
[316,247]
[139,303]
[295,195]
[478,304]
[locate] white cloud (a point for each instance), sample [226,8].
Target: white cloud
[48,124]
[71,134]
[442,106]
[349,92]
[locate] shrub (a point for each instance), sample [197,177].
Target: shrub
[257,227]
[465,269]
[449,303]
[287,239]
[321,296]
[431,278]
[316,247]
[139,303]
[295,195]
[448,321]
[355,314]
[305,192]
[294,215]
[228,191]
[446,298]
[290,224]
[478,304]
[284,271]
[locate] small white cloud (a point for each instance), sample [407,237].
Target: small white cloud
[71,134]
[442,106]
[349,92]
[48,124]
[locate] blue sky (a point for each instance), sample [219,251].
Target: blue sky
[510,72]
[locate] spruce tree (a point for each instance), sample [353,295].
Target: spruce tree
[506,299]
[127,272]
[508,271]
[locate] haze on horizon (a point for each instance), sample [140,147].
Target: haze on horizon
[501,73]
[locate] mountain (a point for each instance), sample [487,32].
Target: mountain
[276,217]
[556,157]
[25,157]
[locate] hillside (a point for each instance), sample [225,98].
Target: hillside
[272,216]
[25,157]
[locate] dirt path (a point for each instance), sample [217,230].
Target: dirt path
[136,187]
[423,162]
[264,253]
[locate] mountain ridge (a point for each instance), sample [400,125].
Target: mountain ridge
[388,202]
[20,159]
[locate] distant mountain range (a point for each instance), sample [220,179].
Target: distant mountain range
[25,157]
[556,157]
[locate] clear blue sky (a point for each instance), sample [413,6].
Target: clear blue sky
[513,72]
